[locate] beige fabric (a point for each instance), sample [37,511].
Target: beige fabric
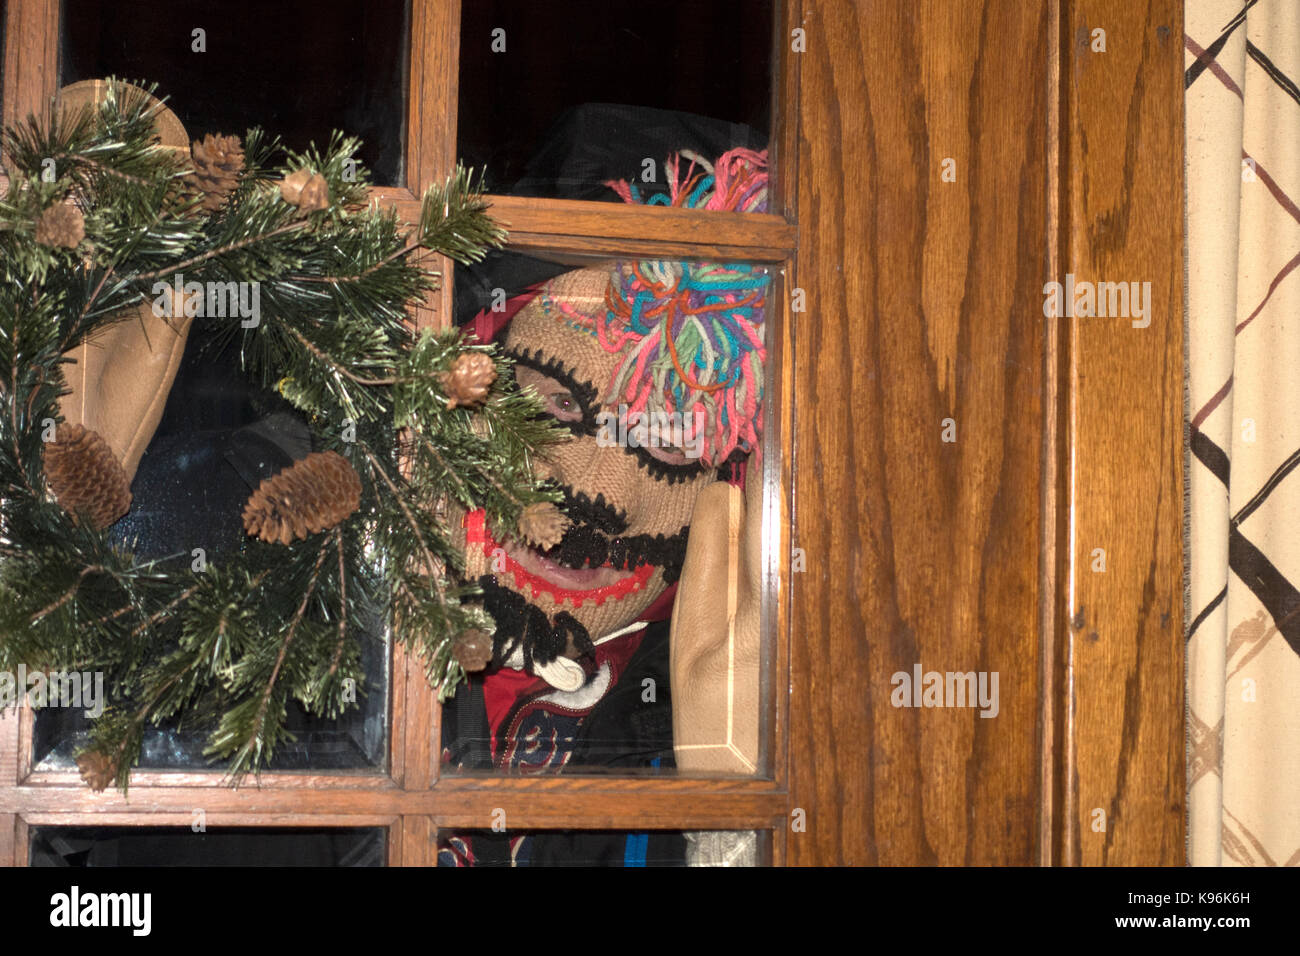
[1243,652]
[120,378]
[714,657]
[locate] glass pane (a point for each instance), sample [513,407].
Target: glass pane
[662,394]
[556,99]
[180,846]
[604,848]
[298,68]
[218,437]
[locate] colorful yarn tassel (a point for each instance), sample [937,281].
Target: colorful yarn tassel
[692,332]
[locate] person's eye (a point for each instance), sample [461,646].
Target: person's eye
[561,398]
[564,406]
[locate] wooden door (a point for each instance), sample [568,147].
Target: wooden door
[958,482]
[1042,542]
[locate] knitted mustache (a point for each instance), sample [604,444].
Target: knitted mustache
[521,624]
[596,537]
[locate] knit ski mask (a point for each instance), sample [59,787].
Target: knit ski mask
[655,369]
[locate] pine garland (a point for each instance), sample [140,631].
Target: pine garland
[229,645]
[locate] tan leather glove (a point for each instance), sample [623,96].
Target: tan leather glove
[714,656]
[120,377]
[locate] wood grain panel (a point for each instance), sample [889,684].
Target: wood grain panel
[8,835]
[219,819]
[10,752]
[170,779]
[783,149]
[1121,638]
[430,157]
[569,225]
[629,805]
[21,841]
[924,303]
[431,123]
[414,843]
[31,57]
[1055,527]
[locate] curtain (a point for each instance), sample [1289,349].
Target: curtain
[1243,408]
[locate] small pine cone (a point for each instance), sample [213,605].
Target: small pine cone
[61,226]
[218,164]
[309,496]
[470,379]
[542,525]
[307,190]
[473,650]
[4,183]
[97,770]
[85,476]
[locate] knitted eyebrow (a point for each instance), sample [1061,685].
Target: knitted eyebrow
[566,375]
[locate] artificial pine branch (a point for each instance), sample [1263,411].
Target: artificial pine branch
[226,648]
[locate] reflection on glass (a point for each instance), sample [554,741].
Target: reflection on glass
[356,740]
[557,98]
[218,437]
[602,848]
[656,371]
[180,846]
[298,68]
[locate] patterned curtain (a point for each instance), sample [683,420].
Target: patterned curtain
[1243,653]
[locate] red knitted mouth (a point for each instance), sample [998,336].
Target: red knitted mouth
[536,574]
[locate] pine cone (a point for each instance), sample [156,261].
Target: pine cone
[473,650]
[542,525]
[4,183]
[309,496]
[218,164]
[61,226]
[85,476]
[470,379]
[307,190]
[97,770]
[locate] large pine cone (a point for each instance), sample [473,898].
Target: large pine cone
[85,476]
[309,496]
[218,164]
